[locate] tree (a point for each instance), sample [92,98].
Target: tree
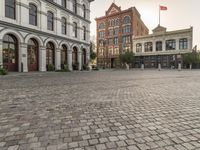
[127,58]
[93,54]
[191,58]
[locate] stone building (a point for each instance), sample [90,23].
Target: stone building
[115,31]
[35,34]
[162,47]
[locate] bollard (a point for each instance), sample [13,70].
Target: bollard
[142,67]
[179,66]
[159,67]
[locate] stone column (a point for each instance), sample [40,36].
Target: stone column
[69,59]
[1,54]
[58,59]
[42,59]
[143,50]
[88,57]
[23,58]
[154,46]
[163,45]
[80,60]
[177,44]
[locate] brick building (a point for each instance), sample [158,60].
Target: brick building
[115,32]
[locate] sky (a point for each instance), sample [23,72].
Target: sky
[181,14]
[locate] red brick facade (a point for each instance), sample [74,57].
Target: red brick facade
[115,31]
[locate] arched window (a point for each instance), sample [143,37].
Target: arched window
[64,26]
[102,25]
[10,52]
[127,20]
[84,11]
[64,3]
[75,29]
[84,33]
[10,9]
[74,6]
[32,14]
[50,21]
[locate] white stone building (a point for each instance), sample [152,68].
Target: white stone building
[162,47]
[35,34]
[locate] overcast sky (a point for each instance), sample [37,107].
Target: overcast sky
[180,14]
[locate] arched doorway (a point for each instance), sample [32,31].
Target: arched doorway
[33,55]
[63,56]
[10,52]
[75,63]
[50,56]
[84,62]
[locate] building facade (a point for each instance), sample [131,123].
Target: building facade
[35,34]
[162,47]
[115,31]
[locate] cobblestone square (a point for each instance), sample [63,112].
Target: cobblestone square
[103,110]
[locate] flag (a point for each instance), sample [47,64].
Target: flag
[163,8]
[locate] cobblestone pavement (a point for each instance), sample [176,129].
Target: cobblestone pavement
[115,110]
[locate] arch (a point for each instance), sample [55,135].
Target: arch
[37,38]
[75,45]
[64,56]
[84,56]
[75,63]
[64,43]
[51,40]
[13,32]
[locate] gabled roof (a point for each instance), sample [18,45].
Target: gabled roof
[159,29]
[113,9]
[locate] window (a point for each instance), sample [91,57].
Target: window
[116,22]
[64,3]
[84,33]
[74,6]
[50,21]
[102,25]
[64,26]
[101,43]
[126,39]
[101,34]
[116,31]
[116,41]
[110,32]
[110,41]
[10,8]
[84,11]
[127,20]
[148,47]
[126,29]
[75,29]
[159,46]
[50,54]
[183,43]
[170,44]
[138,47]
[32,14]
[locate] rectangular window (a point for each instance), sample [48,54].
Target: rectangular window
[183,43]
[110,41]
[170,44]
[110,32]
[148,47]
[126,29]
[116,41]
[159,46]
[10,9]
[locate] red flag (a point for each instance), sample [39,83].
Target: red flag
[163,8]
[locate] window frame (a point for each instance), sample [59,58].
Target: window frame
[9,7]
[50,19]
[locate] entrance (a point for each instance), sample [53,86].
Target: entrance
[10,52]
[32,55]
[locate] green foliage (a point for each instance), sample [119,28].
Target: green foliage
[3,71]
[191,58]
[50,67]
[127,57]
[93,55]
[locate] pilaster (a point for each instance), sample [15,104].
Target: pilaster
[1,54]
[58,59]
[69,59]
[23,58]
[42,59]
[80,60]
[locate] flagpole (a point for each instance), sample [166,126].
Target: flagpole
[159,15]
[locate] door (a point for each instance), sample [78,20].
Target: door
[32,55]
